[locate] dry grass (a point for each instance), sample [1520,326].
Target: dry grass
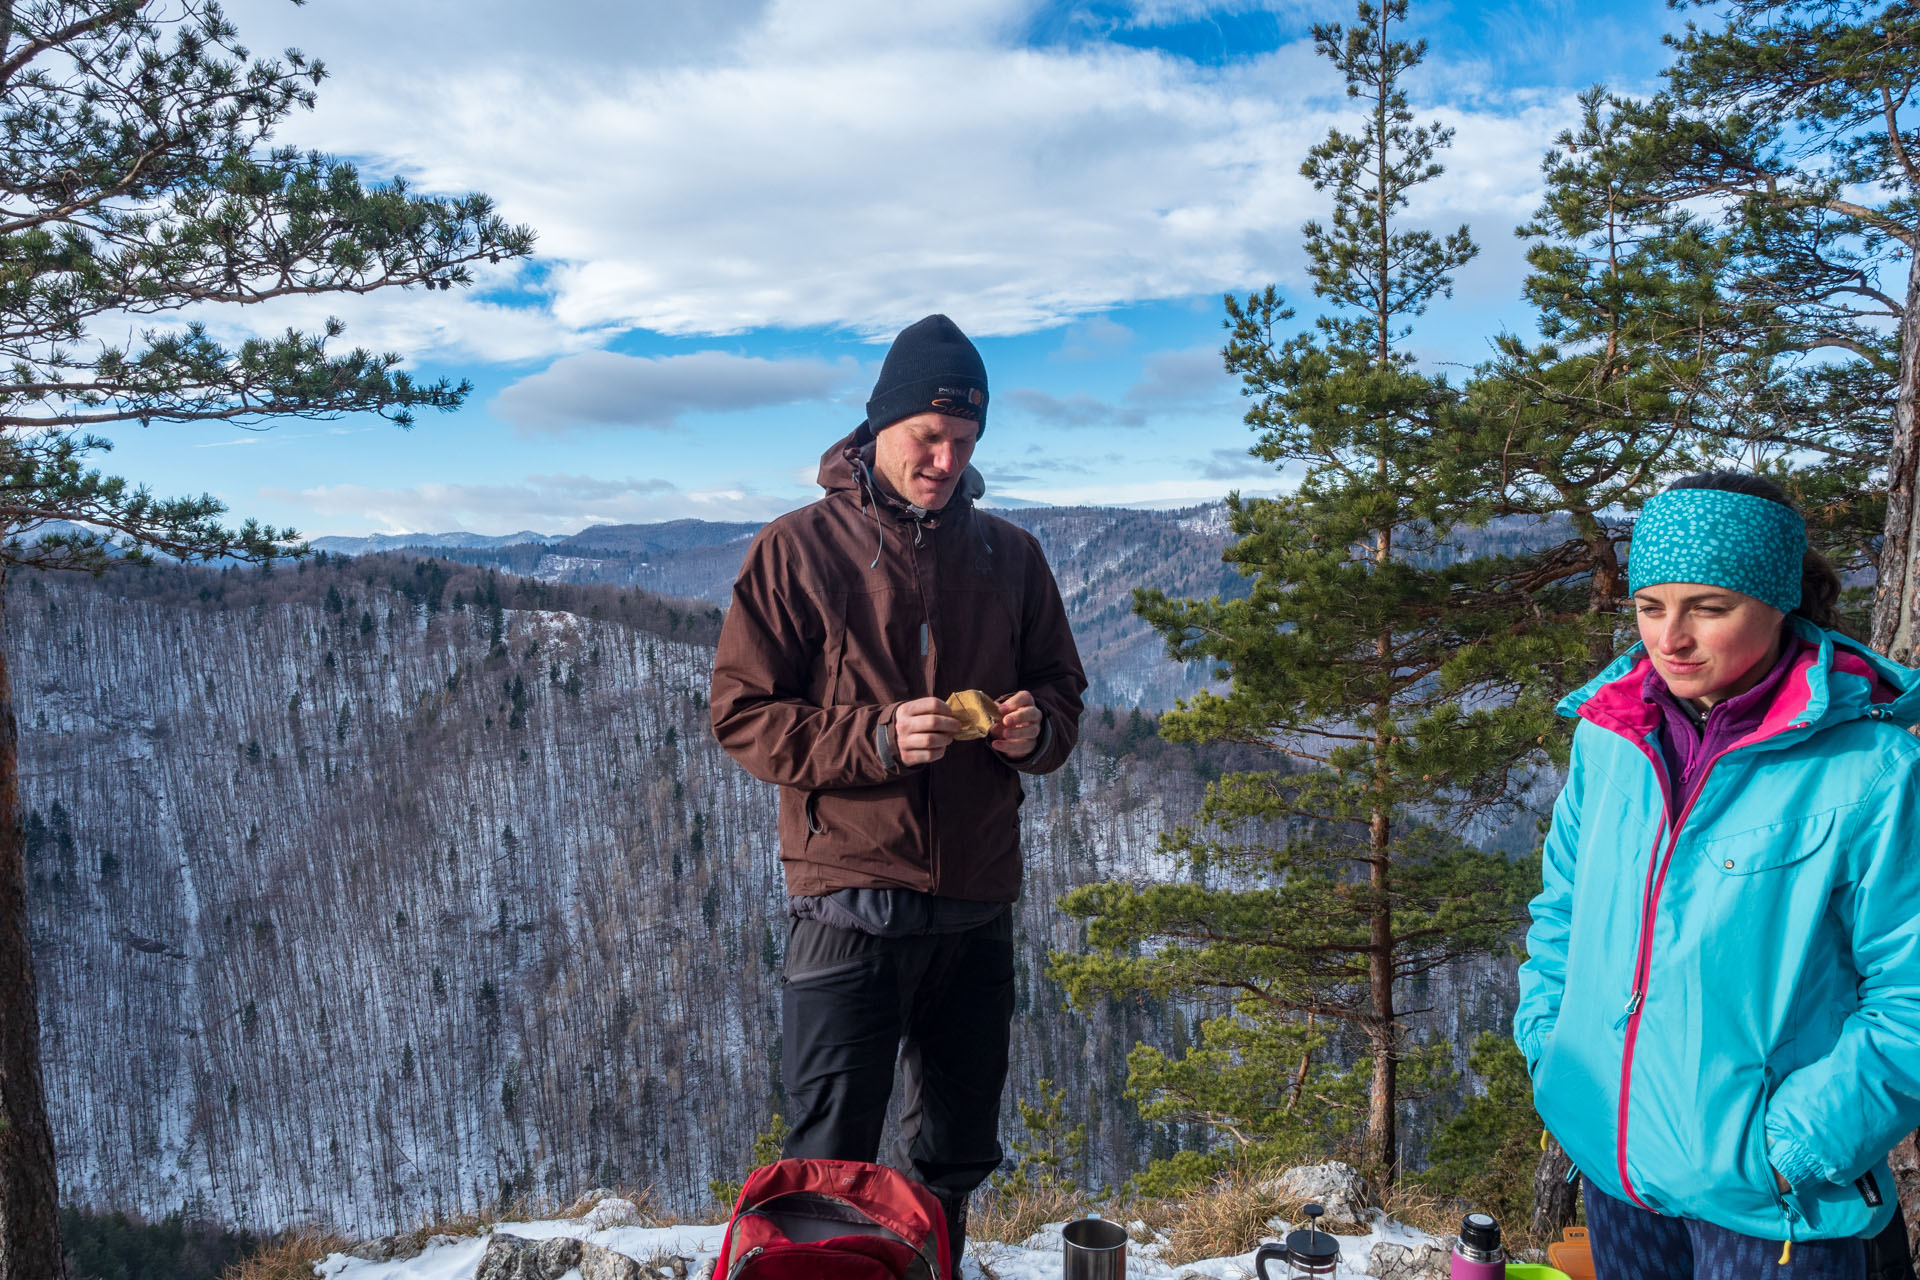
[1227,1217]
[1010,1216]
[1439,1216]
[291,1257]
[1424,1210]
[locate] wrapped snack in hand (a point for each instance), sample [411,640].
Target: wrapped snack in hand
[976,712]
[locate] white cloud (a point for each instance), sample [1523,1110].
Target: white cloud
[542,503]
[604,389]
[1193,377]
[846,163]
[1235,464]
[476,324]
[1072,411]
[1185,381]
[1160,13]
[1095,338]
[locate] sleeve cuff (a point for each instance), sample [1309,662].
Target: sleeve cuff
[1533,1043]
[1026,763]
[883,745]
[1793,1162]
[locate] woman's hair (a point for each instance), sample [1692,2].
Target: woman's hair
[1819,581]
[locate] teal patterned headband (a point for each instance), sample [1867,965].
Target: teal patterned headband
[1719,539]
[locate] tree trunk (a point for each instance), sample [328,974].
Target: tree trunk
[1554,1198]
[1603,595]
[29,1189]
[1906,1180]
[1380,1114]
[1896,611]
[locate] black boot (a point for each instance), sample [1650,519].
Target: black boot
[955,1209]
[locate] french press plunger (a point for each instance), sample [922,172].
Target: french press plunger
[1311,1252]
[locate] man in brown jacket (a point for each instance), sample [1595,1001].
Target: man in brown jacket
[853,618]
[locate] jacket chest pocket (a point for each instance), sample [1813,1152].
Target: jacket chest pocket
[1758,850]
[979,641]
[871,648]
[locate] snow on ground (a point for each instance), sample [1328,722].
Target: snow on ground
[1036,1258]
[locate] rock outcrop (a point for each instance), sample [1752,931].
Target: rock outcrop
[510,1257]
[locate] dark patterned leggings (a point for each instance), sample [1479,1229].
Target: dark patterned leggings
[1630,1243]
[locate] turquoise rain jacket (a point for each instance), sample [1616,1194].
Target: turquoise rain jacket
[1742,989]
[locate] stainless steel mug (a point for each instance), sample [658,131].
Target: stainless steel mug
[1095,1250]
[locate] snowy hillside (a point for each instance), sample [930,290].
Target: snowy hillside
[363,902]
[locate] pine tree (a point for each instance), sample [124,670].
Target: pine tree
[1797,118]
[1354,654]
[139,180]
[1640,372]
[1624,388]
[1485,1153]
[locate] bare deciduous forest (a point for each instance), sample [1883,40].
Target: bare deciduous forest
[370,890]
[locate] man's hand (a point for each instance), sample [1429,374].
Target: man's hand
[923,729]
[1018,732]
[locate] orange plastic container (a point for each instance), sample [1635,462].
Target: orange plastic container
[1572,1254]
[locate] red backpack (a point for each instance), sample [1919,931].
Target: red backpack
[833,1220]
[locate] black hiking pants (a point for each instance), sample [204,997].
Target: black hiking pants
[849,1000]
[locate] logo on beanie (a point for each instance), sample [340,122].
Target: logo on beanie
[960,402]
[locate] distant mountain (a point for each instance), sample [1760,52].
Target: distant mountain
[403,541]
[1098,555]
[672,535]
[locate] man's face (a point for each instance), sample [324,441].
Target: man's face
[921,458]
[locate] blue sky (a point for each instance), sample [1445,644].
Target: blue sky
[738,201]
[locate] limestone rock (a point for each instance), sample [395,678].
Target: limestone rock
[510,1257]
[613,1211]
[1425,1261]
[381,1250]
[1336,1187]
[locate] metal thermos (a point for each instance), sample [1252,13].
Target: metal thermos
[1478,1256]
[1095,1249]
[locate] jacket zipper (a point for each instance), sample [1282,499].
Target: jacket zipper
[926,635]
[1643,959]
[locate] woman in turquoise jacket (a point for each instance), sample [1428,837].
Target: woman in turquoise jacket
[1721,1005]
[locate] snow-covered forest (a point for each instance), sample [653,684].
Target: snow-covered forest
[363,904]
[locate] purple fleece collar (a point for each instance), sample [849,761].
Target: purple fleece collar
[1687,745]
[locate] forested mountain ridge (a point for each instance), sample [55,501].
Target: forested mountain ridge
[372,910]
[1098,556]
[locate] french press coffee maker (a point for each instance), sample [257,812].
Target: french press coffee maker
[1311,1252]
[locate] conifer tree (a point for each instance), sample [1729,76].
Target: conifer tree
[1398,674]
[137,180]
[1797,118]
[1642,370]
[1627,384]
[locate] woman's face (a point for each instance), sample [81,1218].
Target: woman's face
[1707,643]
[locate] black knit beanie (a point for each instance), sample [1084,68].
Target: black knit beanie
[930,368]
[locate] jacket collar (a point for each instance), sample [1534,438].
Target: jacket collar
[1832,680]
[847,467]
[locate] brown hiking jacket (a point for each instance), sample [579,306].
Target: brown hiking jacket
[843,610]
